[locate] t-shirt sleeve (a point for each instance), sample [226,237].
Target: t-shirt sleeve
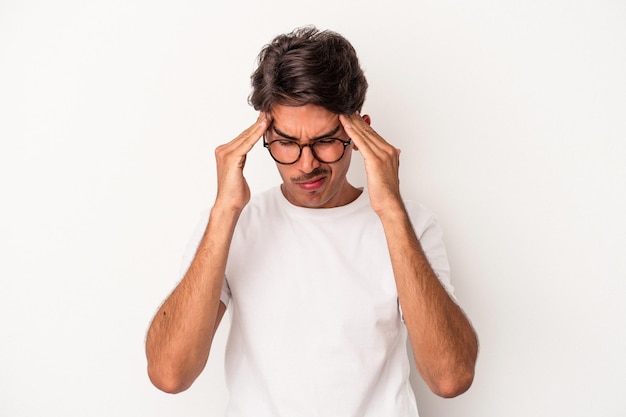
[430,235]
[191,249]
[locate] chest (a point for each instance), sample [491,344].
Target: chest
[334,273]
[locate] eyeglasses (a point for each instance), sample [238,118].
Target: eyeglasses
[288,152]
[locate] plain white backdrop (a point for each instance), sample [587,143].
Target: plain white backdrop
[511,117]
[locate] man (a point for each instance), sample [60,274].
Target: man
[323,280]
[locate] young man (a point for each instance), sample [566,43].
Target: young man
[323,280]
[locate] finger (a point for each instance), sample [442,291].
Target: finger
[254,132]
[246,139]
[349,125]
[363,135]
[360,126]
[370,144]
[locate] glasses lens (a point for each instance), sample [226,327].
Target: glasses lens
[285,152]
[328,150]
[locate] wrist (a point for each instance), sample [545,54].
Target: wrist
[392,210]
[225,213]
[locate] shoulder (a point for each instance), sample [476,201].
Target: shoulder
[422,217]
[267,196]
[265,201]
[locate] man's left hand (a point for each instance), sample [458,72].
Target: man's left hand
[382,162]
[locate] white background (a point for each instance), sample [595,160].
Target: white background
[511,117]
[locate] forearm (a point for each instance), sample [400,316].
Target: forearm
[443,340]
[180,336]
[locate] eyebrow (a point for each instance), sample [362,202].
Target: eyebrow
[326,135]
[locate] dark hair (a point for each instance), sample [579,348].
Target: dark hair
[308,66]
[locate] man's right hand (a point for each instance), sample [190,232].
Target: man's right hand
[232,188]
[180,336]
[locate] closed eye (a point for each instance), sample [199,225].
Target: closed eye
[326,141]
[285,142]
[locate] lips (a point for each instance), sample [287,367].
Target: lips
[313,184]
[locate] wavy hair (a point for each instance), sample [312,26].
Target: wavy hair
[309,66]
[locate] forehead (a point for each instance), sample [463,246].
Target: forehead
[304,121]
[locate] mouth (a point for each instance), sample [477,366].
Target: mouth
[312,184]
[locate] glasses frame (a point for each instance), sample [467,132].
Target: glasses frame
[345,143]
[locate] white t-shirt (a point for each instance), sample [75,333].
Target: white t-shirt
[316,328]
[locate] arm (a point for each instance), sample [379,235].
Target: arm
[180,335]
[443,341]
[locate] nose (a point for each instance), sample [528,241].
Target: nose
[307,161]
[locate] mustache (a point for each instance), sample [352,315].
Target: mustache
[315,173]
